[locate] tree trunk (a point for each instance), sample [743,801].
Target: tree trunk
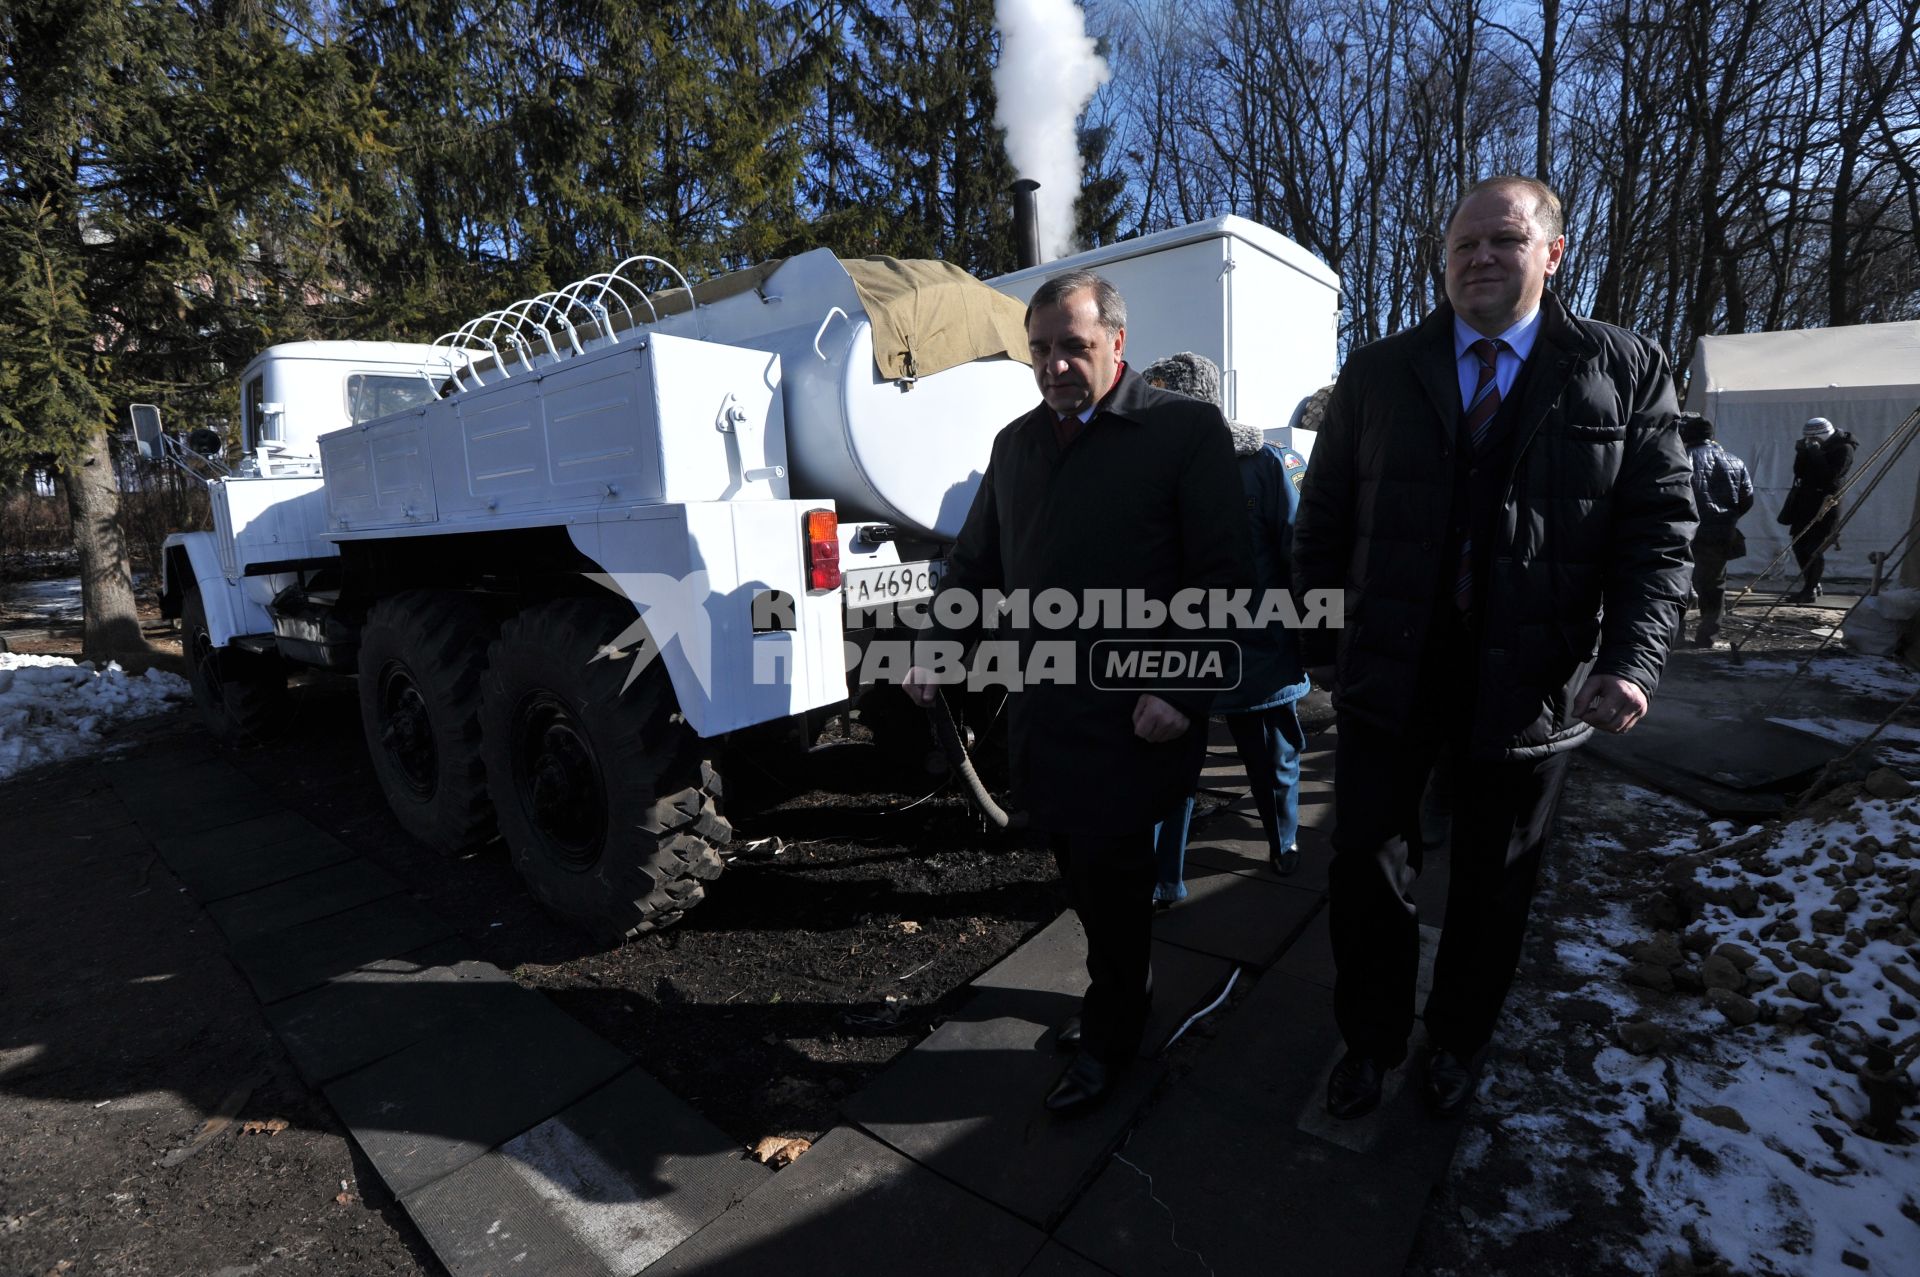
[1549,67]
[106,576]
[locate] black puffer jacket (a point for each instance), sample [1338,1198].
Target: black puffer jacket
[1590,567]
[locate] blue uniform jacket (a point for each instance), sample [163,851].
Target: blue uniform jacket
[1271,673]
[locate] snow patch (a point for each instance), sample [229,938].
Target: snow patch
[53,708]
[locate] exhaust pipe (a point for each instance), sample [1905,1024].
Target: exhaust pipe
[1026,223]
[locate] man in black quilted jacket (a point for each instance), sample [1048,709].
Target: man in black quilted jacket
[1722,492]
[1503,497]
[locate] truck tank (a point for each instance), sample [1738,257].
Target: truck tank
[905,438]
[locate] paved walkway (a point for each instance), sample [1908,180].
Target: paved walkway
[520,1142]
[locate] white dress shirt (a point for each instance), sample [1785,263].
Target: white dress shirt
[1519,344]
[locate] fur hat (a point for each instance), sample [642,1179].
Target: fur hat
[1186,373]
[1817,428]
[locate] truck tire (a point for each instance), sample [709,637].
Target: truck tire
[606,805]
[421,657]
[242,695]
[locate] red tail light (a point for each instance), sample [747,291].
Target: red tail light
[823,550]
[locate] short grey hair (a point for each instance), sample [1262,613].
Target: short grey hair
[1547,211]
[1106,298]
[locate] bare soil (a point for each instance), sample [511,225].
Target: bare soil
[132,1058]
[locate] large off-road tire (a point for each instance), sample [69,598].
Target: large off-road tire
[242,696]
[603,798]
[421,656]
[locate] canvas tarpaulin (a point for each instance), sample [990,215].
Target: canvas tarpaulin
[929,316]
[1759,389]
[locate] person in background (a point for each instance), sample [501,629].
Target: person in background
[1502,496]
[1260,712]
[1812,508]
[1722,492]
[1106,485]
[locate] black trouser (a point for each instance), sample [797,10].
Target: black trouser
[1110,883]
[1809,542]
[1712,545]
[1502,812]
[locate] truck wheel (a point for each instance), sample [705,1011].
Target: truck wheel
[603,798]
[242,695]
[421,655]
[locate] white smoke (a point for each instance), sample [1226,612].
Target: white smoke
[1049,70]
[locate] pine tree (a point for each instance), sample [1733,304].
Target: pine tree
[56,100]
[175,199]
[937,167]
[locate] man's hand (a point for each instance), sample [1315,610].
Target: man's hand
[920,686]
[1321,676]
[1156,721]
[1610,703]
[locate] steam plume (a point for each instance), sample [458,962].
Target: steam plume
[1049,71]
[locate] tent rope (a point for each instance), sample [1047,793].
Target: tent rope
[1862,743]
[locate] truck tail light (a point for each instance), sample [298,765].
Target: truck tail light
[823,550]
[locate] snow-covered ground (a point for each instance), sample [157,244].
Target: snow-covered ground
[1715,1068]
[52,708]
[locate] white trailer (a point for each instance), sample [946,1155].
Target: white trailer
[570,547]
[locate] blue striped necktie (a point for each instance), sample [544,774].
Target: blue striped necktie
[1479,415]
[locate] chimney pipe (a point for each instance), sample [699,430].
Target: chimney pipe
[1026,223]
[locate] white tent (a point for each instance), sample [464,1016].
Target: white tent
[1758,389]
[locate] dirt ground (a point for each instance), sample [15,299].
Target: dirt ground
[132,1058]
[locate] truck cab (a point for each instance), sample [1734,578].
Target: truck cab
[293,393]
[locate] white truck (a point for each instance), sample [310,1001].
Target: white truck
[570,547]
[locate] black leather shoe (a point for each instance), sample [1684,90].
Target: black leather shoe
[1081,1088]
[1068,1039]
[1285,862]
[1354,1088]
[1449,1083]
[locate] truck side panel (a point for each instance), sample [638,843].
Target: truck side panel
[694,573]
[659,420]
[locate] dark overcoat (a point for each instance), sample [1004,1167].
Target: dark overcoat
[1589,567]
[1146,497]
[1820,467]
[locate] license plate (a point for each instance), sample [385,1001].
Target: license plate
[871,587]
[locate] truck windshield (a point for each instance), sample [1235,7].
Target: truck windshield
[370,395]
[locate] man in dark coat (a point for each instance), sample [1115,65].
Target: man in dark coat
[1812,508]
[1108,487]
[1503,496]
[1722,492]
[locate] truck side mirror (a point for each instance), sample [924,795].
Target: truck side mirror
[146,429]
